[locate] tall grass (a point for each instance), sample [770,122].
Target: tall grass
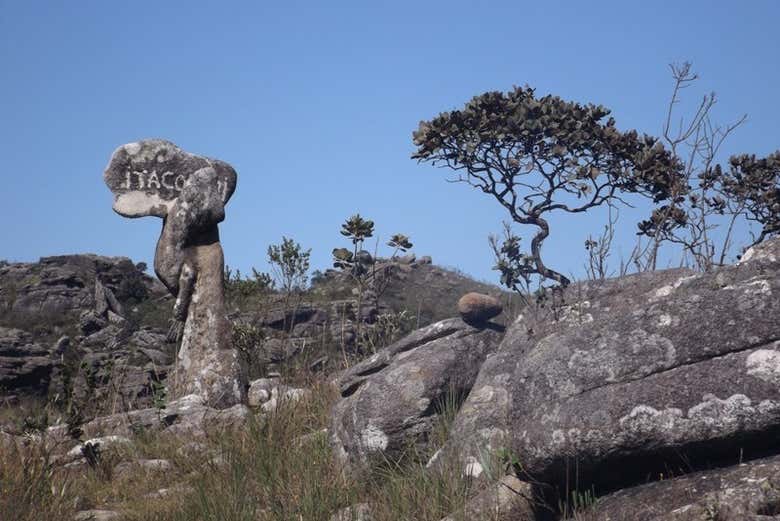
[30,486]
[279,467]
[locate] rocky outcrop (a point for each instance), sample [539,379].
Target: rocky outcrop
[391,400]
[24,365]
[633,376]
[127,375]
[188,416]
[750,491]
[66,283]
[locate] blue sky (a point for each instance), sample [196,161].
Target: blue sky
[314,103]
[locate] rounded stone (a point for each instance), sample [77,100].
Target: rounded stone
[478,307]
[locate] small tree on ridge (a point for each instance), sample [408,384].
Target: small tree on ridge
[540,155]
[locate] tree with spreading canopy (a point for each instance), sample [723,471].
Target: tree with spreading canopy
[537,155]
[754,185]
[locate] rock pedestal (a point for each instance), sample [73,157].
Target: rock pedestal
[207,363]
[189,192]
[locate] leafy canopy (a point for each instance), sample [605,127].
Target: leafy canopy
[536,155]
[290,263]
[357,229]
[754,184]
[400,242]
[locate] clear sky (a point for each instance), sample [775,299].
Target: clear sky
[314,104]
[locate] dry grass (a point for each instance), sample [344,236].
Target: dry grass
[277,468]
[30,486]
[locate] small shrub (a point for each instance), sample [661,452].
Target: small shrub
[31,489]
[290,264]
[239,289]
[387,328]
[247,338]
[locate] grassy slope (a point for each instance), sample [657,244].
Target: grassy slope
[265,472]
[277,469]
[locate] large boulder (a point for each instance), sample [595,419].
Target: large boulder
[390,401]
[750,491]
[476,308]
[633,376]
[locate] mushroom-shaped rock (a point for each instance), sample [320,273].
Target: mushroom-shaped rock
[476,308]
[155,177]
[147,177]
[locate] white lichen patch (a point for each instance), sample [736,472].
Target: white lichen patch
[577,312]
[728,411]
[492,437]
[665,291]
[483,394]
[665,320]
[373,438]
[486,398]
[132,148]
[434,458]
[711,418]
[606,360]
[753,481]
[140,204]
[184,350]
[757,253]
[645,419]
[186,403]
[764,364]
[409,380]
[473,467]
[598,362]
[762,286]
[438,327]
[754,286]
[584,318]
